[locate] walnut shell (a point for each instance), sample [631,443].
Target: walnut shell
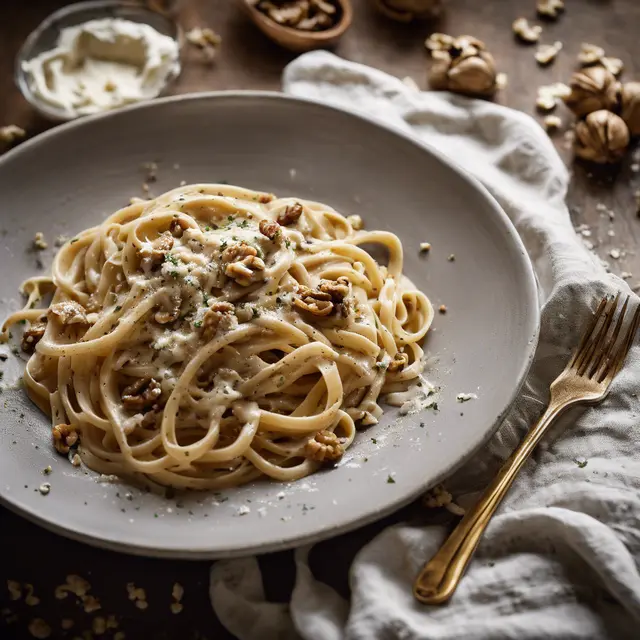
[407,10]
[592,89]
[601,137]
[630,106]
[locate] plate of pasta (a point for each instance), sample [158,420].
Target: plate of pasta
[228,332]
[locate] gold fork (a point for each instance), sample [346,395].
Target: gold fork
[585,379]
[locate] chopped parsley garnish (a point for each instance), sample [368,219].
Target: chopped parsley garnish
[174,274]
[197,324]
[22,321]
[374,441]
[207,228]
[287,243]
[255,312]
[390,480]
[581,462]
[172,259]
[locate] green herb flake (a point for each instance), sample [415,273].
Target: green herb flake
[390,480]
[197,324]
[581,462]
[374,441]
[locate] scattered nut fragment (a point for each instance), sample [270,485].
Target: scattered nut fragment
[546,53]
[425,246]
[548,95]
[39,242]
[325,446]
[291,214]
[154,255]
[76,461]
[67,623]
[550,8]
[68,312]
[176,229]
[526,32]
[552,123]
[170,311]
[439,42]
[442,308]
[465,67]
[30,600]
[408,10]
[207,40]
[99,625]
[602,137]
[630,106]
[590,54]
[141,394]
[244,271]
[269,229]
[502,79]
[592,89]
[399,362]
[218,311]
[10,133]
[15,591]
[38,628]
[44,488]
[64,437]
[33,335]
[438,496]
[90,604]
[176,593]
[355,221]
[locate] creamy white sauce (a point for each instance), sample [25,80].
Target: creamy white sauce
[103,64]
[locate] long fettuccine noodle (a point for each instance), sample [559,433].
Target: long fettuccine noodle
[188,344]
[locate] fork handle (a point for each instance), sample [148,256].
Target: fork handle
[440,576]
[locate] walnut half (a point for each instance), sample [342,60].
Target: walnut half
[325,446]
[218,311]
[291,214]
[244,271]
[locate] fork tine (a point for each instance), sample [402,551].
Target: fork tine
[589,330]
[605,353]
[595,344]
[614,364]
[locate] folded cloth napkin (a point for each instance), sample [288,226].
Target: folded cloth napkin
[559,559]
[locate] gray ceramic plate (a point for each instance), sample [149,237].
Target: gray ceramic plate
[70,178]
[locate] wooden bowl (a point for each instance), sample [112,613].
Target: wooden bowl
[296,39]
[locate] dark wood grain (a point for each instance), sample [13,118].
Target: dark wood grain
[249,60]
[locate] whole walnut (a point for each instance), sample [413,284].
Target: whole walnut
[592,89]
[407,10]
[630,106]
[464,67]
[601,137]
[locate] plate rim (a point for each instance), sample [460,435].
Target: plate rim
[530,293]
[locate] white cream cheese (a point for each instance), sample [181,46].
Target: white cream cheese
[103,64]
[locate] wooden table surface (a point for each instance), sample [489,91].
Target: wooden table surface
[248,60]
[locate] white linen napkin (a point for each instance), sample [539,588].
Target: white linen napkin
[559,559]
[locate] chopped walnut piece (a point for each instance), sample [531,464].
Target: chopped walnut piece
[64,437]
[38,628]
[33,334]
[439,42]
[217,312]
[291,214]
[171,314]
[142,394]
[590,54]
[238,251]
[551,123]
[269,228]
[547,53]
[399,362]
[526,32]
[613,65]
[69,312]
[207,40]
[176,229]
[548,95]
[154,256]
[313,305]
[11,133]
[39,242]
[550,8]
[324,447]
[355,221]
[244,271]
[337,289]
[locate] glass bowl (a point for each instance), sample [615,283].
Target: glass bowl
[45,37]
